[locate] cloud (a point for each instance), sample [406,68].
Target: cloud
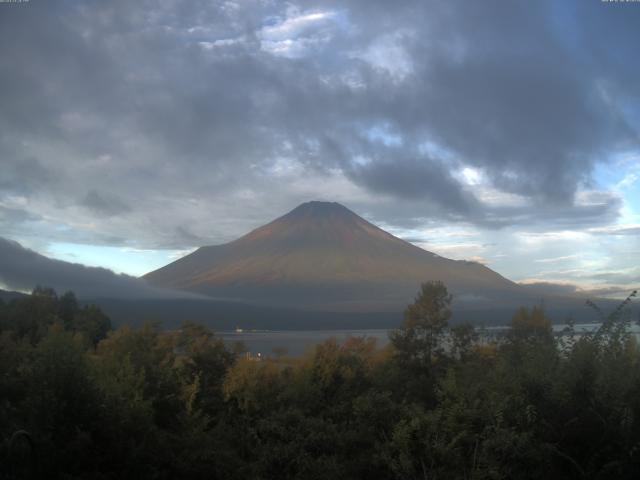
[387,55]
[103,204]
[629,276]
[407,178]
[551,288]
[617,230]
[21,175]
[9,216]
[563,289]
[162,125]
[563,258]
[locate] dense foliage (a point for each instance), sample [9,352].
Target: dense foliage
[79,400]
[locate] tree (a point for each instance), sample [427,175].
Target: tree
[531,326]
[463,339]
[61,402]
[205,361]
[31,317]
[67,309]
[424,326]
[93,323]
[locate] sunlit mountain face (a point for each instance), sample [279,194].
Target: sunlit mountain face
[322,254]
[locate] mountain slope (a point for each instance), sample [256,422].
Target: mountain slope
[323,255]
[23,269]
[7,296]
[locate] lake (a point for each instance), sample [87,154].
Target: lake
[297,342]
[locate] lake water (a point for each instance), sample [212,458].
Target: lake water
[297,342]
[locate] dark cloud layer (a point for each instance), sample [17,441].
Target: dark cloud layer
[103,205]
[166,124]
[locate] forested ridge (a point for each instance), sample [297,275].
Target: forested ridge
[80,400]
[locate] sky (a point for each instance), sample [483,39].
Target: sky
[505,132]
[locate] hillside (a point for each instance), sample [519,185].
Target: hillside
[7,295]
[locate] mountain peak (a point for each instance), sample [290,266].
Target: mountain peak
[320,204]
[320,208]
[314,222]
